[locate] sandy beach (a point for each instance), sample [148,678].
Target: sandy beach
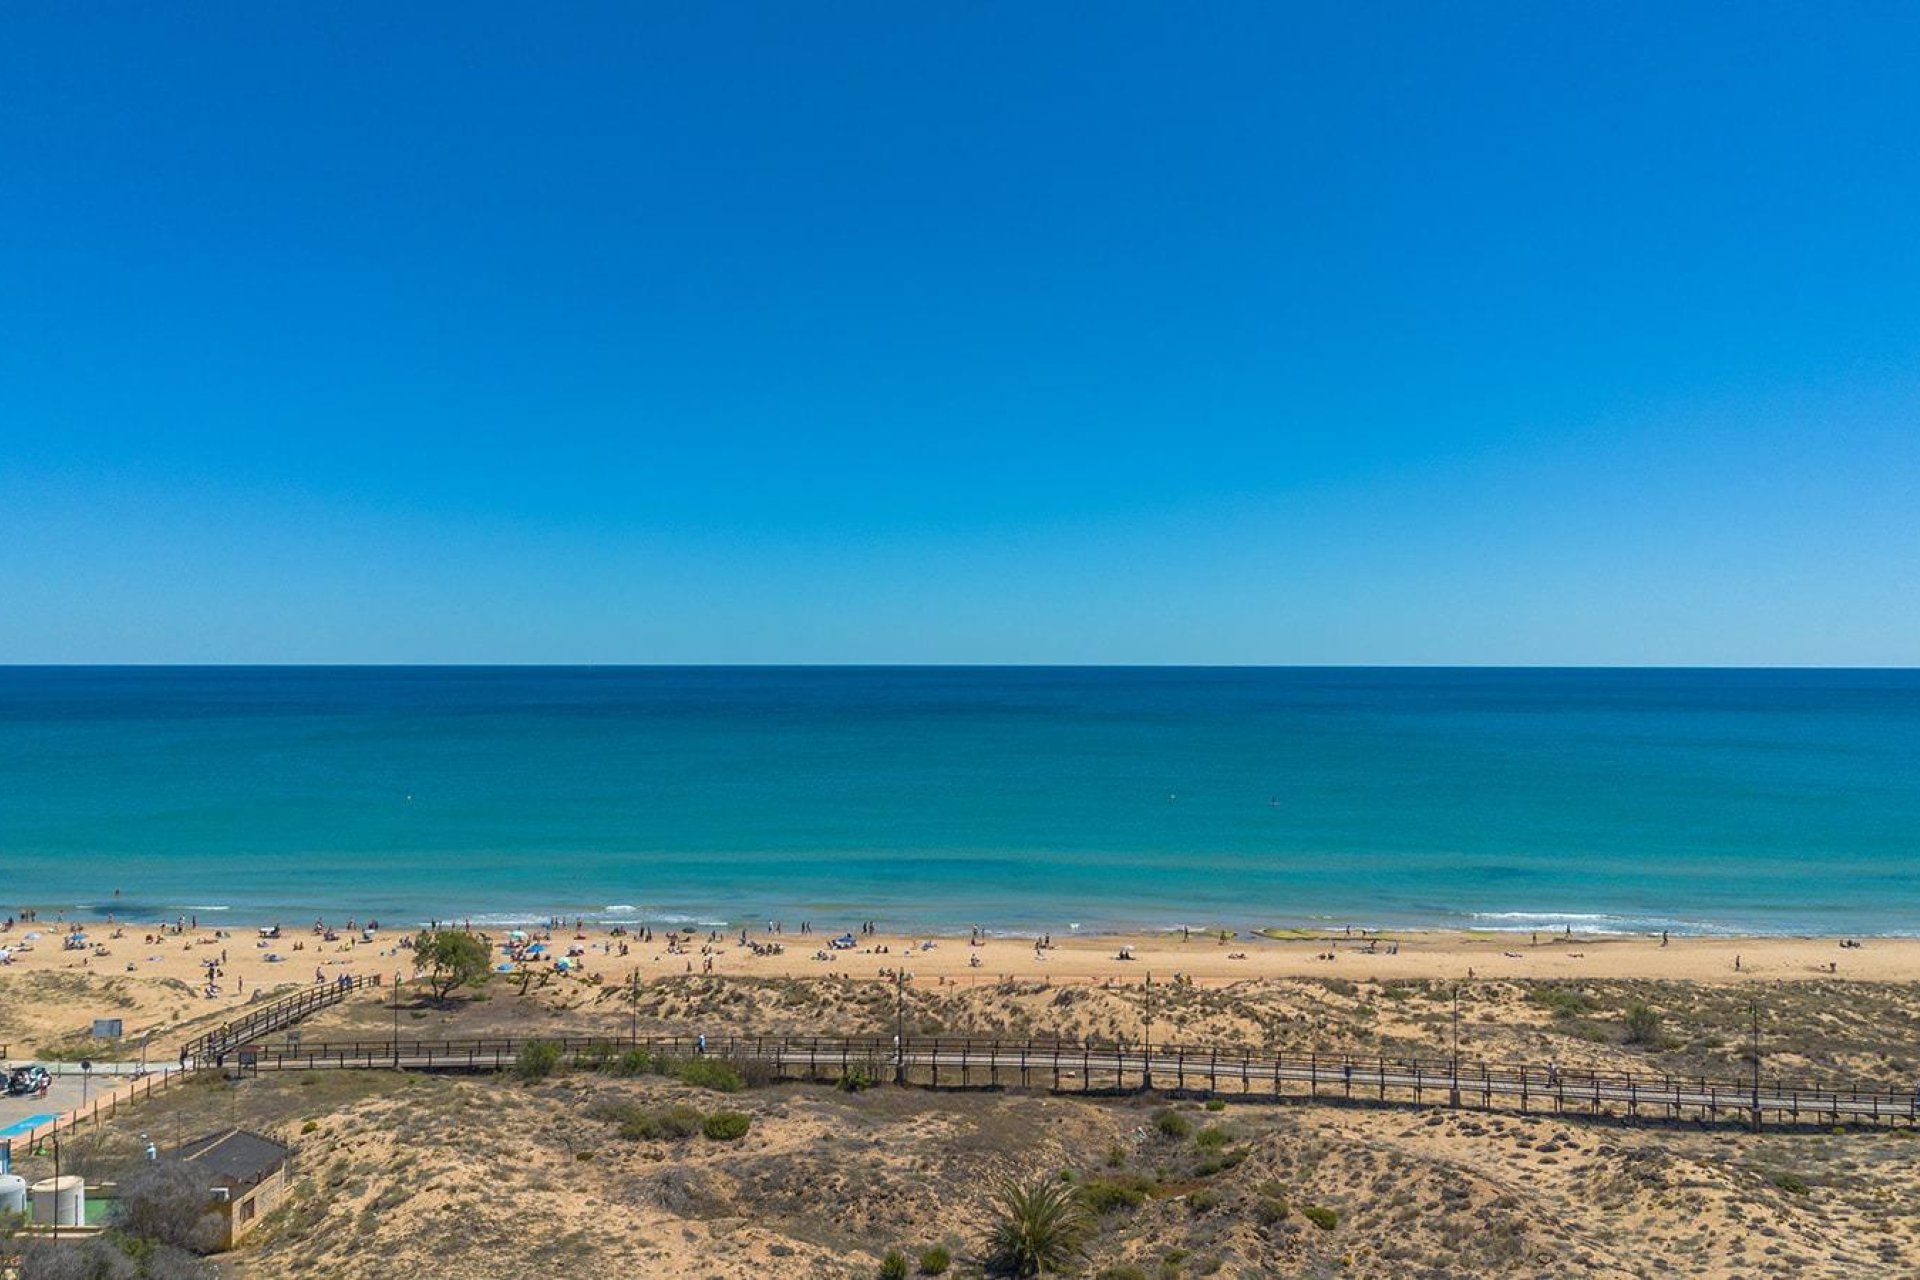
[162,987]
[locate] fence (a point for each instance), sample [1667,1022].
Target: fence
[264,1021]
[101,1109]
[980,1063]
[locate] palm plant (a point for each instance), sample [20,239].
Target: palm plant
[1037,1228]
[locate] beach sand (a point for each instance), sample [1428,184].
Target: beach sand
[158,988]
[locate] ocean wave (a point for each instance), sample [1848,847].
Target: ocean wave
[1596,922]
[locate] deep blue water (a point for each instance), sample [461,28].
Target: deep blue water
[941,797]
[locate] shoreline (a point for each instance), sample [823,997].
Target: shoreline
[1492,924]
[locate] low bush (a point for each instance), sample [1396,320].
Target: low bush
[1216,1104]
[634,1062]
[536,1060]
[1320,1216]
[855,1080]
[727,1126]
[1219,1162]
[657,1124]
[893,1266]
[1643,1024]
[935,1261]
[708,1073]
[1792,1184]
[1211,1138]
[1205,1200]
[1171,1124]
[1562,1000]
[1110,1195]
[1269,1210]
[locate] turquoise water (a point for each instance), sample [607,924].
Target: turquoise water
[1780,801]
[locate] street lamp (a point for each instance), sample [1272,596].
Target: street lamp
[900,1027]
[1456,1045]
[633,1007]
[1146,1044]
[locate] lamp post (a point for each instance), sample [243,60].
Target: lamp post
[633,1011]
[1146,1044]
[900,1027]
[1454,1097]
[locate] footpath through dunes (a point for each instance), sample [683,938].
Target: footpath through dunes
[922,1049]
[417,1168]
[587,1172]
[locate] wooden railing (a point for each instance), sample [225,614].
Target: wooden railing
[209,1049]
[970,1062]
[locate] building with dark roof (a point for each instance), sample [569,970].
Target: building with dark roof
[245,1172]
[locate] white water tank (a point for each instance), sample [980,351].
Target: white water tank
[13,1193]
[60,1201]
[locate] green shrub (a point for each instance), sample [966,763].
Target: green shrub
[935,1261]
[1172,1124]
[1216,1104]
[1219,1162]
[536,1060]
[594,1057]
[1564,1001]
[1211,1138]
[727,1126]
[708,1073]
[1320,1216]
[1110,1195]
[893,1266]
[634,1062]
[1269,1210]
[1643,1024]
[1790,1183]
[1116,1156]
[1121,1273]
[1204,1200]
[657,1124]
[855,1080]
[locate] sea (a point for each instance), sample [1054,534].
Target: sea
[934,799]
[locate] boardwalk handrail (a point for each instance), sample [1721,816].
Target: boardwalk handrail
[1183,1067]
[1052,1063]
[269,1018]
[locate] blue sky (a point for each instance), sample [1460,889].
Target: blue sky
[960,333]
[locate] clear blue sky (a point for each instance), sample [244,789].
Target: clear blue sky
[1250,333]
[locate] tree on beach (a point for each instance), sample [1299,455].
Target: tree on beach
[452,959]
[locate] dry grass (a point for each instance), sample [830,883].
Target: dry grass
[478,1175]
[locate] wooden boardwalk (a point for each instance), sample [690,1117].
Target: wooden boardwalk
[944,1062]
[209,1049]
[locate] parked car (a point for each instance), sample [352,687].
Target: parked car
[28,1082]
